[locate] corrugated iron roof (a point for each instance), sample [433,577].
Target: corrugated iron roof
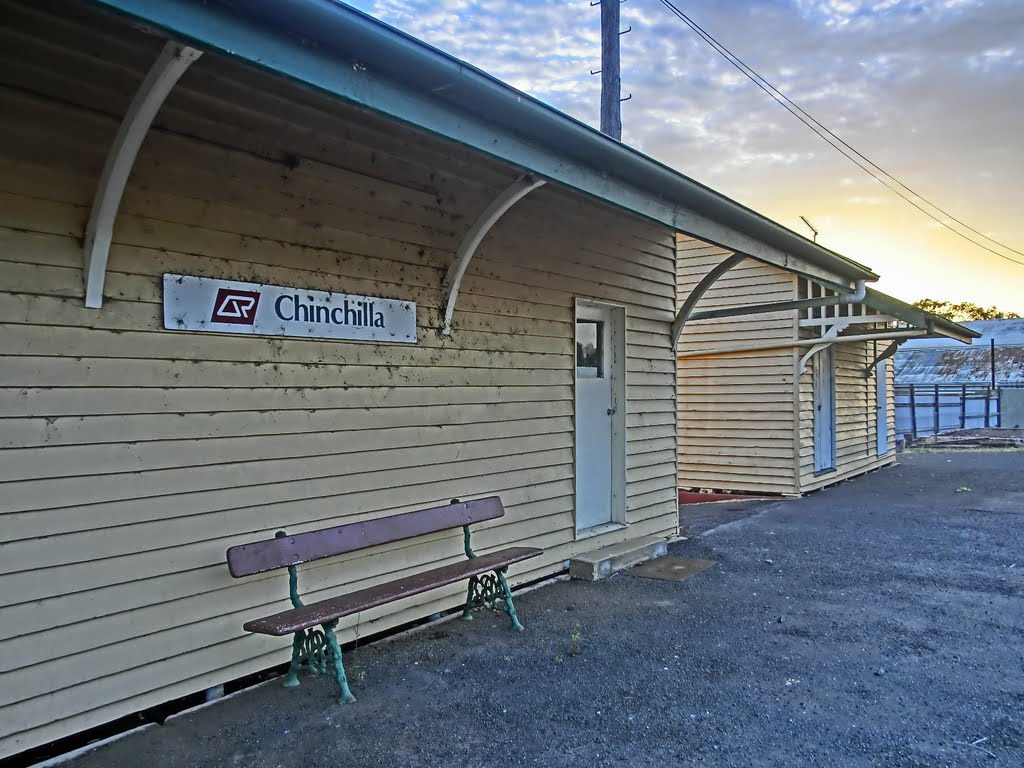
[943,361]
[1005,333]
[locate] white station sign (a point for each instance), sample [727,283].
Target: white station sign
[225,306]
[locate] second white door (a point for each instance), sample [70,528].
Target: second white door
[824,376]
[882,406]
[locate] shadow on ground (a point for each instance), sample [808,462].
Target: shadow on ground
[879,623]
[696,519]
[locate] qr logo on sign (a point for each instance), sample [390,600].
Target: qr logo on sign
[236,307]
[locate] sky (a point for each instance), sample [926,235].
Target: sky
[930,90]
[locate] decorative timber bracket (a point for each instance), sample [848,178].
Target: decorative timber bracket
[888,352]
[512,194]
[827,339]
[897,337]
[830,339]
[686,312]
[698,292]
[169,66]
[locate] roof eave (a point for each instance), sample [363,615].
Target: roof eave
[908,313]
[350,55]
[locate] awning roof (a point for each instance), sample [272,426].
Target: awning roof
[918,318]
[1005,332]
[847,328]
[334,48]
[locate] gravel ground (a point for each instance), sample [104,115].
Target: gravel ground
[879,623]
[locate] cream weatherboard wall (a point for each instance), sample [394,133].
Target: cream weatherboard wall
[746,419]
[856,416]
[132,457]
[736,427]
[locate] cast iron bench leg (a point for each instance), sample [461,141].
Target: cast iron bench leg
[487,590]
[334,653]
[467,612]
[309,650]
[510,607]
[298,641]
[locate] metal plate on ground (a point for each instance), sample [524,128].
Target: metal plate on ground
[670,568]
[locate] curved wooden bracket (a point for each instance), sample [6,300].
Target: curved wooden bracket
[170,65]
[698,292]
[888,352]
[512,194]
[811,353]
[827,339]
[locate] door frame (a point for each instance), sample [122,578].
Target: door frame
[882,446]
[823,378]
[616,344]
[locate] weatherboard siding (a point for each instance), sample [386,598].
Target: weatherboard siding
[132,456]
[736,412]
[856,425]
[746,418]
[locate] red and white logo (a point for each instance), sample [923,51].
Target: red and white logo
[235,307]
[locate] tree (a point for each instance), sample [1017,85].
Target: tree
[965,310]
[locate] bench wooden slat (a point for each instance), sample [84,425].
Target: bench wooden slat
[269,554]
[286,622]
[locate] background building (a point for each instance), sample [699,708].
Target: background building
[777,395]
[298,149]
[954,387]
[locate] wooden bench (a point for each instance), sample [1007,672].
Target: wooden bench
[315,648]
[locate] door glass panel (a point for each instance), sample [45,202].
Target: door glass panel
[589,349]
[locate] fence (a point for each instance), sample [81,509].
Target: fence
[926,409]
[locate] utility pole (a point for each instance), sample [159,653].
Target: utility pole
[611,82]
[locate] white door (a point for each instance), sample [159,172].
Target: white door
[599,423]
[882,406]
[825,410]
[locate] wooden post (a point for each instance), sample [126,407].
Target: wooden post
[913,413]
[936,409]
[611,83]
[992,360]
[963,406]
[988,401]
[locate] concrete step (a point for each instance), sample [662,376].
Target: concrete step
[602,563]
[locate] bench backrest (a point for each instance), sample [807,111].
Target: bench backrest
[269,554]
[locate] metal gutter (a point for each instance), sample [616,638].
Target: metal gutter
[345,53]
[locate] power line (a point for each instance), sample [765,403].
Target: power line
[832,139]
[840,145]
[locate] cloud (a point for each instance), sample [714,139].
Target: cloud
[925,88]
[994,58]
[900,79]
